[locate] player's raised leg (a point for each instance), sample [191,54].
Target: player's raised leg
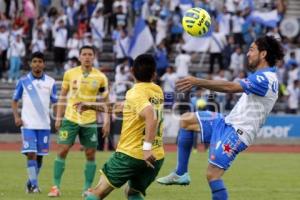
[101,190]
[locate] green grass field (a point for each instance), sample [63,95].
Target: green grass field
[252,177]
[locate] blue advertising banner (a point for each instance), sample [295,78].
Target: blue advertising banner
[281,126]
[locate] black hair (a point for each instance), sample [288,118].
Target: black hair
[273,48]
[39,55]
[87,47]
[144,67]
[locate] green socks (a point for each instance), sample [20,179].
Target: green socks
[137,196]
[59,167]
[89,173]
[92,197]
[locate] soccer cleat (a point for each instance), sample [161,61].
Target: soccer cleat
[28,187]
[35,189]
[87,192]
[54,192]
[174,179]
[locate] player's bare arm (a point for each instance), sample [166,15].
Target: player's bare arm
[14,106]
[188,82]
[60,107]
[106,107]
[106,119]
[151,121]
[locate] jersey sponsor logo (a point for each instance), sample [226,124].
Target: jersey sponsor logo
[274,132]
[155,101]
[260,78]
[29,87]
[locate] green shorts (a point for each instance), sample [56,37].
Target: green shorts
[87,134]
[121,168]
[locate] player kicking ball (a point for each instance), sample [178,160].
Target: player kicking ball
[230,135]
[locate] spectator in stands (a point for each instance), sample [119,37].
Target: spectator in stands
[38,43]
[169,80]
[224,22]
[30,13]
[44,6]
[147,10]
[237,26]
[72,62]
[73,45]
[292,60]
[237,61]
[217,44]
[4,35]
[71,11]
[161,58]
[293,97]
[123,80]
[228,50]
[60,46]
[121,46]
[119,17]
[293,73]
[97,28]
[183,62]
[176,27]
[15,53]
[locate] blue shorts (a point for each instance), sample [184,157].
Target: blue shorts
[35,141]
[224,141]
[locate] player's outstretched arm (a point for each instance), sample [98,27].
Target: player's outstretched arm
[100,107]
[151,121]
[188,82]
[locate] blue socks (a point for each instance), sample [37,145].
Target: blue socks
[218,190]
[184,145]
[32,172]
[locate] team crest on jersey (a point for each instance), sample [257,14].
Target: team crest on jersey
[25,145]
[94,84]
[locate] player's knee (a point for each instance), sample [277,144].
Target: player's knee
[130,192]
[63,152]
[213,173]
[185,120]
[31,156]
[90,154]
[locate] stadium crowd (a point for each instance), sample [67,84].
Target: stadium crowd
[39,26]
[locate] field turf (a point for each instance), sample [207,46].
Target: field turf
[253,176]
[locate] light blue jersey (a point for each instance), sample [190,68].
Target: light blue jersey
[257,101]
[36,95]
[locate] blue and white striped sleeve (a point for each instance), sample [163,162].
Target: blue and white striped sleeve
[53,95]
[256,83]
[18,91]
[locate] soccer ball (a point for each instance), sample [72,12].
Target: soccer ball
[196,21]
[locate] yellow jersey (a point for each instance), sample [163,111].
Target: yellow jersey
[83,88]
[133,127]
